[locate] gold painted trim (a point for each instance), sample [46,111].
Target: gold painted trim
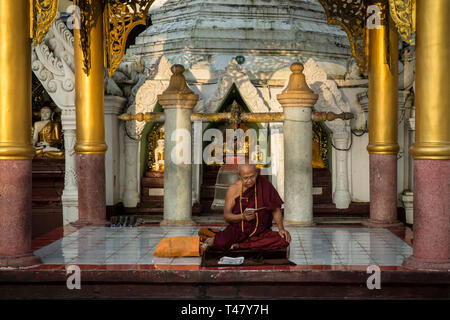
[403,12]
[384,148]
[14,152]
[43,14]
[99,148]
[430,150]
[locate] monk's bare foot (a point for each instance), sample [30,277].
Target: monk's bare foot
[209,241]
[235,246]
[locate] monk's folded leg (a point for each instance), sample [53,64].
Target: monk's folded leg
[224,239]
[268,240]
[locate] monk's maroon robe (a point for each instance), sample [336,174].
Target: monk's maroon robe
[264,237]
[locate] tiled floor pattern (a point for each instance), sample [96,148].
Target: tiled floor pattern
[309,246]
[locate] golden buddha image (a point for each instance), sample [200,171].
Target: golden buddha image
[47,138]
[317,161]
[158,164]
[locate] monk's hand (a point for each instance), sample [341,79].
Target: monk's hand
[249,214]
[285,234]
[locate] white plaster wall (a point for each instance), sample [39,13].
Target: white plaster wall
[358,160]
[360,175]
[113,106]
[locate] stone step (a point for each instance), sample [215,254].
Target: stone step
[152,182]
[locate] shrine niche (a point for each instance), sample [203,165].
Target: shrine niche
[47,136]
[320,146]
[152,181]
[155,148]
[48,166]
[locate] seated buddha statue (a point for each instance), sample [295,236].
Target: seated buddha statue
[47,138]
[159,155]
[257,157]
[317,161]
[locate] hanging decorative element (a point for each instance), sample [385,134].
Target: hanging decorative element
[235,114]
[351,16]
[120,18]
[42,14]
[86,14]
[403,12]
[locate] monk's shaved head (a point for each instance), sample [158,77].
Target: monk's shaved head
[247,168]
[248,173]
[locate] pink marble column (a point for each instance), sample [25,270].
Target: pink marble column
[15,214]
[91,189]
[383,191]
[431,243]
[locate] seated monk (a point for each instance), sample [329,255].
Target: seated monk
[250,205]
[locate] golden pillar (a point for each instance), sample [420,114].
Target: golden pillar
[383,101]
[383,85]
[90,123]
[16,149]
[89,87]
[432,81]
[431,150]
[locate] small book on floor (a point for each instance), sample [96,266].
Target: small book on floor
[231,260]
[212,257]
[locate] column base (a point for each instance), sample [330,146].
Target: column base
[177,222]
[91,189]
[299,224]
[22,260]
[383,190]
[378,224]
[426,264]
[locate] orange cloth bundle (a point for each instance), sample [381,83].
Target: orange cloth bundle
[178,247]
[205,233]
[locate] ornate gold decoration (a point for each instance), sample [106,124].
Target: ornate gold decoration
[351,16]
[42,12]
[120,18]
[403,12]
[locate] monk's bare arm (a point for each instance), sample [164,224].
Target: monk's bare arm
[278,218]
[229,217]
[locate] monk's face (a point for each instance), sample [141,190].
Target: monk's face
[248,175]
